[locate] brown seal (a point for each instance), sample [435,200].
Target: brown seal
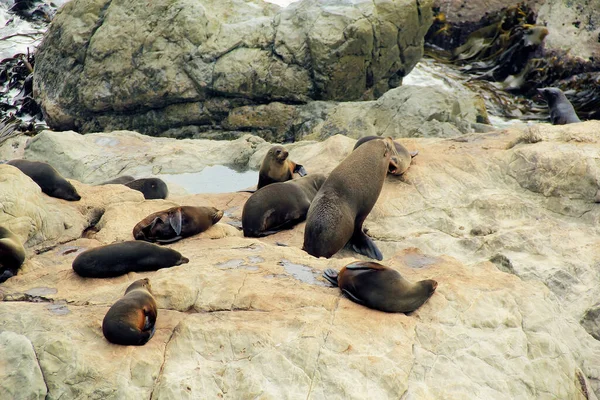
[123,179]
[560,108]
[280,205]
[121,258]
[403,159]
[12,254]
[176,223]
[336,215]
[276,167]
[131,320]
[48,179]
[377,286]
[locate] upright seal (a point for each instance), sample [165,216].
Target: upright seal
[48,179]
[176,223]
[560,108]
[276,167]
[121,258]
[12,254]
[403,159]
[280,205]
[336,215]
[131,320]
[379,287]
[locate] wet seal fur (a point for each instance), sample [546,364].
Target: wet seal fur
[280,205]
[403,159]
[376,286]
[176,223]
[47,178]
[131,320]
[276,167]
[121,258]
[12,254]
[560,108]
[336,215]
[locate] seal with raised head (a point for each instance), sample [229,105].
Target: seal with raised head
[131,320]
[280,205]
[47,178]
[123,179]
[336,215]
[376,286]
[560,108]
[276,167]
[12,254]
[152,188]
[176,223]
[403,159]
[121,258]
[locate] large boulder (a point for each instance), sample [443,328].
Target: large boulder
[163,65]
[20,374]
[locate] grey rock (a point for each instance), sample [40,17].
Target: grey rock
[20,374]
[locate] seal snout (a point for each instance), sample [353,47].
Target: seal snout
[217,216]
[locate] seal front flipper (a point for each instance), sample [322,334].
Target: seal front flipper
[175,221]
[362,244]
[352,297]
[299,169]
[331,276]
[170,240]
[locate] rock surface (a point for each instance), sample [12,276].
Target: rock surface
[504,221]
[151,67]
[20,374]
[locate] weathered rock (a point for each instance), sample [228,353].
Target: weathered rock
[508,228]
[20,374]
[189,63]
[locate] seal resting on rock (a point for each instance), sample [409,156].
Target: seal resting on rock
[403,159]
[152,188]
[280,205]
[48,179]
[376,286]
[12,254]
[560,108]
[131,320]
[121,258]
[176,223]
[123,179]
[336,215]
[276,167]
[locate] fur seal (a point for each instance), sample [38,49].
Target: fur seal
[121,258]
[176,223]
[123,179]
[336,215]
[131,320]
[376,286]
[560,108]
[403,159]
[276,167]
[152,188]
[12,254]
[48,179]
[280,205]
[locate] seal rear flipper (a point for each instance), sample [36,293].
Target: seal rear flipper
[352,297]
[300,170]
[170,240]
[362,244]
[331,275]
[175,221]
[6,274]
[414,153]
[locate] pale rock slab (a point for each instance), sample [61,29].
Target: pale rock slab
[20,374]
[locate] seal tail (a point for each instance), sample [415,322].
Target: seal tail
[331,275]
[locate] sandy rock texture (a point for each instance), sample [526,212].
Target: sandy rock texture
[107,65]
[505,222]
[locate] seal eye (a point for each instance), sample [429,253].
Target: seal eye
[278,152]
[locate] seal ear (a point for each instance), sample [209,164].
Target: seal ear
[175,221]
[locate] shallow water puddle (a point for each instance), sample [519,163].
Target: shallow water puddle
[238,263]
[213,179]
[415,260]
[41,291]
[301,272]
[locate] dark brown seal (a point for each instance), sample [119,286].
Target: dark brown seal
[152,188]
[280,205]
[402,161]
[377,286]
[560,108]
[48,179]
[336,215]
[276,167]
[131,320]
[176,223]
[121,258]
[123,179]
[12,254]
